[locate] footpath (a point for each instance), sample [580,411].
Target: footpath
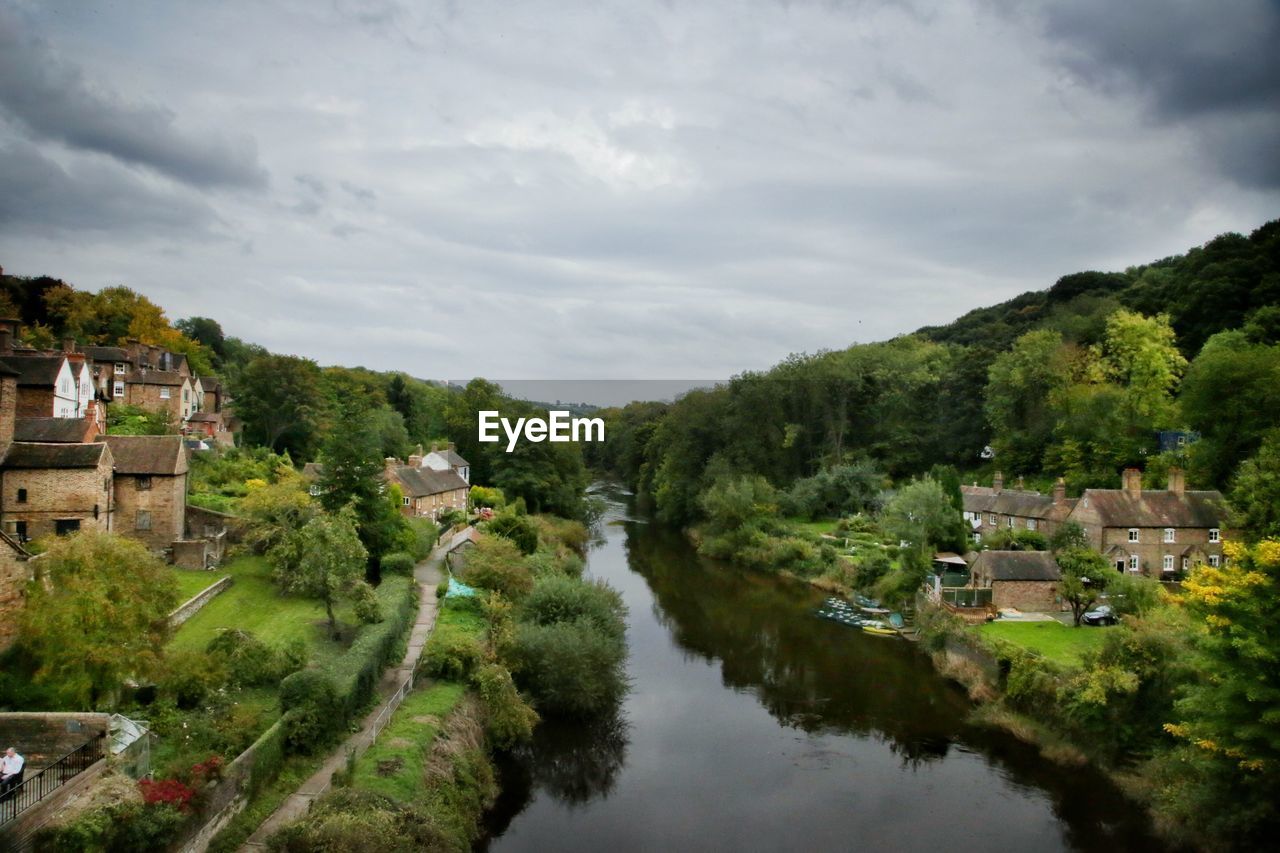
[428,574]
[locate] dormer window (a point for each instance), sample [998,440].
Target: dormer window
[1133,534]
[1168,534]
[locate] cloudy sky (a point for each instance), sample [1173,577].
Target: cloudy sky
[620,189]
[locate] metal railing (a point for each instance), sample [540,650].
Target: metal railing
[966,596]
[15,799]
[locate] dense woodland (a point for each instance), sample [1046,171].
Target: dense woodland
[1074,381]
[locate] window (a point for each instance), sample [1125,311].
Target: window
[22,496]
[117,390]
[20,530]
[1133,562]
[405,500]
[1009,522]
[164,393]
[1168,534]
[1168,562]
[1186,563]
[1031,524]
[1133,534]
[186,395]
[144,484]
[1215,535]
[994,519]
[65,526]
[144,520]
[1213,560]
[65,386]
[119,369]
[977,537]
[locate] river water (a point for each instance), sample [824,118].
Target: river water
[753,725]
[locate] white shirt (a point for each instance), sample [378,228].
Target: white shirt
[11,765]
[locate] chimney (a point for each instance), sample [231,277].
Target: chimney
[8,407]
[1133,482]
[6,341]
[1021,485]
[1177,481]
[415,460]
[1060,492]
[997,482]
[68,345]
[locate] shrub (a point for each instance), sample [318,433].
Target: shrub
[452,653]
[398,563]
[347,819]
[570,668]
[311,710]
[367,608]
[496,564]
[191,676]
[562,599]
[249,661]
[508,717]
[423,536]
[520,529]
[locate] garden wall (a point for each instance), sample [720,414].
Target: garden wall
[192,606]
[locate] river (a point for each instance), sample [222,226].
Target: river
[753,725]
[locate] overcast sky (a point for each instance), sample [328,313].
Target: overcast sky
[620,189]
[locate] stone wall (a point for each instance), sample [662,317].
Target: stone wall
[231,794]
[35,402]
[1031,596]
[165,500]
[43,738]
[193,605]
[148,397]
[206,523]
[79,493]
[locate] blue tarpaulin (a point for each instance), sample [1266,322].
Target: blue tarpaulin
[458,589]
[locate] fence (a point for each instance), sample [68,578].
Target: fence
[966,596]
[16,799]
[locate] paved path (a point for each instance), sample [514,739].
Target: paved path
[428,575]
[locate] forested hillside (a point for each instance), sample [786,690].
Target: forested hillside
[1077,380]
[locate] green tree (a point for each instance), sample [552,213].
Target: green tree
[922,513]
[269,511]
[352,475]
[97,614]
[1068,537]
[1141,356]
[1022,387]
[1255,495]
[323,559]
[278,398]
[1085,575]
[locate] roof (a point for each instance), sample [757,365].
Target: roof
[1017,566]
[105,353]
[30,455]
[420,482]
[1016,502]
[210,383]
[312,470]
[156,377]
[204,417]
[1117,508]
[451,456]
[162,455]
[52,430]
[949,557]
[37,370]
[6,370]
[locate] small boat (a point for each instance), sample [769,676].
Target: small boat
[878,628]
[863,601]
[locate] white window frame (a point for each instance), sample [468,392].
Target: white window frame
[1031,524]
[1010,522]
[404,501]
[1133,563]
[117,389]
[1168,562]
[1186,563]
[977,537]
[119,368]
[995,519]
[1213,560]
[1133,534]
[1215,534]
[1169,534]
[164,394]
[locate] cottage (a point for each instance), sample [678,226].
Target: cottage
[427,492]
[150,488]
[159,390]
[55,488]
[110,367]
[50,386]
[1156,532]
[988,509]
[1021,580]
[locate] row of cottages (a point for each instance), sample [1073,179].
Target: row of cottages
[431,482]
[59,483]
[80,380]
[1152,531]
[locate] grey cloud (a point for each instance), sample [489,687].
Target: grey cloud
[56,102]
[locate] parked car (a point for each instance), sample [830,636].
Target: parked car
[1102,615]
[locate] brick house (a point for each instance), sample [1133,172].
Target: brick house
[15,574]
[988,509]
[149,488]
[427,492]
[1022,580]
[110,367]
[55,488]
[1155,531]
[159,390]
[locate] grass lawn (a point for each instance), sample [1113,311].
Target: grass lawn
[1055,641]
[394,765]
[192,582]
[817,528]
[252,604]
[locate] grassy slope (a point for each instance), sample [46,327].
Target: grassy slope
[1055,641]
[394,765]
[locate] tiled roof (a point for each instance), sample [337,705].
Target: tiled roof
[1023,504]
[1017,566]
[55,430]
[148,454]
[1117,508]
[451,456]
[105,353]
[421,482]
[30,455]
[36,370]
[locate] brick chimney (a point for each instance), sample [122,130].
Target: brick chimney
[8,407]
[415,460]
[1177,481]
[1133,482]
[68,345]
[1021,485]
[6,341]
[1060,492]
[997,482]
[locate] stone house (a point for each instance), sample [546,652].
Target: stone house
[988,509]
[1156,532]
[1022,580]
[150,488]
[159,390]
[55,488]
[15,573]
[426,492]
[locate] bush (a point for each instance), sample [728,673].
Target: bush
[508,717]
[367,608]
[312,710]
[398,563]
[452,653]
[191,676]
[520,529]
[249,661]
[571,668]
[496,564]
[562,599]
[347,819]
[424,533]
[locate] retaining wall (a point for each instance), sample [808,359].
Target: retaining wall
[193,605]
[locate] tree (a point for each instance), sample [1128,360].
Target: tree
[1069,536]
[271,510]
[1013,539]
[1141,355]
[1021,389]
[205,332]
[324,559]
[922,513]
[97,614]
[353,476]
[1255,495]
[1084,577]
[278,397]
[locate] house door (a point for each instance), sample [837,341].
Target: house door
[1120,566]
[63,526]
